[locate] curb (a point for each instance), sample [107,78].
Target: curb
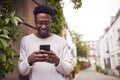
[76,76]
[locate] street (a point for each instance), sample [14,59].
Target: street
[90,74]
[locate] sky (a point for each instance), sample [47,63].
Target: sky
[92,18]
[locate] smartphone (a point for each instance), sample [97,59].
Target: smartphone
[45,47]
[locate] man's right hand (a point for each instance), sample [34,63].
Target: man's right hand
[37,56]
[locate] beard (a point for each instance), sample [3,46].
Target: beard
[43,33]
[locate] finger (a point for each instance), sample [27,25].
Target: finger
[36,52]
[49,52]
[52,56]
[41,59]
[50,60]
[42,55]
[40,52]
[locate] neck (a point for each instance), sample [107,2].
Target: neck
[50,34]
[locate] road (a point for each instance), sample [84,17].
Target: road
[91,74]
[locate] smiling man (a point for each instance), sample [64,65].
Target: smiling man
[42,64]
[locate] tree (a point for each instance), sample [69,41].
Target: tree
[77,3]
[59,22]
[8,35]
[81,47]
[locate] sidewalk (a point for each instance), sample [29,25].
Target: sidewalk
[110,77]
[114,78]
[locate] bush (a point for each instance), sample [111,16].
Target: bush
[77,68]
[99,69]
[9,33]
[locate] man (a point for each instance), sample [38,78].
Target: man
[42,64]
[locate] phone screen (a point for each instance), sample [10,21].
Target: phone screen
[45,47]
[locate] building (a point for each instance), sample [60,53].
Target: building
[103,56]
[109,47]
[71,45]
[92,47]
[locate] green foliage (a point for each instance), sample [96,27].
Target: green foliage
[77,67]
[8,34]
[77,3]
[59,22]
[100,69]
[81,47]
[58,17]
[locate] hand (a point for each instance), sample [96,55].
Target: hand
[53,58]
[37,56]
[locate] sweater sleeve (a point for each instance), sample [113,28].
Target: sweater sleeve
[23,65]
[65,66]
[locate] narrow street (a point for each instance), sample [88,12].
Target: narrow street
[91,74]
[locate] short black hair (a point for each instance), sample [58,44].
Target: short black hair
[43,9]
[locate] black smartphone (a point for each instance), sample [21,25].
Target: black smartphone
[45,47]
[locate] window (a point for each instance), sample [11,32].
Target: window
[119,36]
[113,60]
[118,55]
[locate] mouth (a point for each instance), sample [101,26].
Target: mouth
[43,30]
[43,33]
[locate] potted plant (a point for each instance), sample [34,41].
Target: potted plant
[118,69]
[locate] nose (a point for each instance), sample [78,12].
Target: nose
[43,26]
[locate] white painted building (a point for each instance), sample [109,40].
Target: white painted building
[109,46]
[72,46]
[92,50]
[100,52]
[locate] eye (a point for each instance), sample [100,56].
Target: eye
[39,23]
[47,23]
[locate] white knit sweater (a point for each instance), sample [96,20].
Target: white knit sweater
[44,70]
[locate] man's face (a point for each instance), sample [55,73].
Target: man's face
[43,23]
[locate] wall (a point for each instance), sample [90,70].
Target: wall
[24,9]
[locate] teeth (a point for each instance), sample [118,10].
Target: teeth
[43,30]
